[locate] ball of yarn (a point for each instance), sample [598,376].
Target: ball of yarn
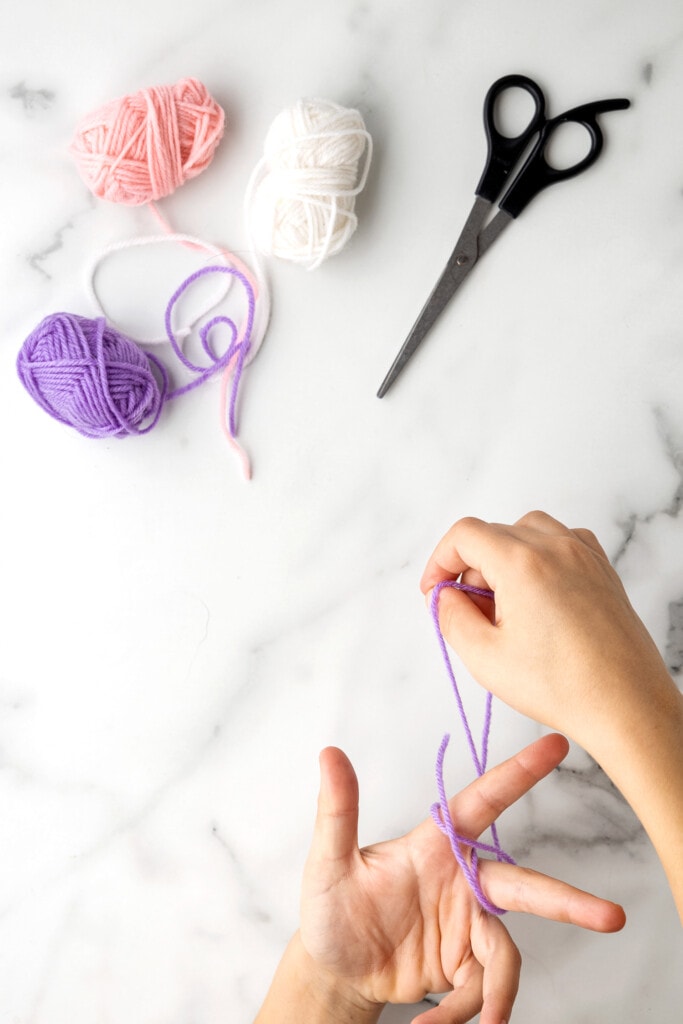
[142,147]
[300,203]
[87,375]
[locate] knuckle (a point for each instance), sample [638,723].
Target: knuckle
[534,518]
[468,524]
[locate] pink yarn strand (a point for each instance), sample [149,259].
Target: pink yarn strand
[227,433]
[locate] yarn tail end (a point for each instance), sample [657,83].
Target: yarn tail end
[242,456]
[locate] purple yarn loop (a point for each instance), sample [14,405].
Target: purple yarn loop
[236,350]
[440,811]
[86,374]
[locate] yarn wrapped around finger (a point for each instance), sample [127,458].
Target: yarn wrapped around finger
[300,200]
[143,146]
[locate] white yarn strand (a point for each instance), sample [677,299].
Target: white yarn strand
[132,243]
[221,255]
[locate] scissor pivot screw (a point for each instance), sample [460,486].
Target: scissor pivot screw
[461,260]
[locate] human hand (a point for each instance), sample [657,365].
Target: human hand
[392,922]
[563,644]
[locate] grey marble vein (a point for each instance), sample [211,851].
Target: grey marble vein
[54,246]
[672,448]
[674,640]
[32,100]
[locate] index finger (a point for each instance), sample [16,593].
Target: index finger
[469,544]
[477,806]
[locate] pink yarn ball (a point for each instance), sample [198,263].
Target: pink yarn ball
[142,147]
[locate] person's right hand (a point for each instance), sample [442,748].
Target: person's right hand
[562,644]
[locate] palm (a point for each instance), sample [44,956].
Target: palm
[391,913]
[398,920]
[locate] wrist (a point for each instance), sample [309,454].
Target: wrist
[642,752]
[644,718]
[620,703]
[303,990]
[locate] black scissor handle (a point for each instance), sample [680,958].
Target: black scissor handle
[537,174]
[504,151]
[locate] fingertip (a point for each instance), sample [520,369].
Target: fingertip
[614,918]
[545,753]
[328,754]
[338,780]
[333,758]
[586,910]
[560,744]
[606,918]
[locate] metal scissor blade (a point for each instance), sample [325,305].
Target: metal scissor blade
[463,258]
[445,288]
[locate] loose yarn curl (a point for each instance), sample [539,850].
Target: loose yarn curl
[141,147]
[301,196]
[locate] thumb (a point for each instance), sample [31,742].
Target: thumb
[335,836]
[465,626]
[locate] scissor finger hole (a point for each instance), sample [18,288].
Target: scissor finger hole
[513,112]
[568,145]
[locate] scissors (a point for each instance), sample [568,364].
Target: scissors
[535,174]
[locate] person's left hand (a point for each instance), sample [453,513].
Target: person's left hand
[398,920]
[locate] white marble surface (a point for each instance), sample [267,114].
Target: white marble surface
[178,644]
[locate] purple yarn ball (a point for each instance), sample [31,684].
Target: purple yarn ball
[89,376]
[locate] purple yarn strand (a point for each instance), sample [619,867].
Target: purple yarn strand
[442,815]
[86,374]
[454,685]
[440,811]
[235,348]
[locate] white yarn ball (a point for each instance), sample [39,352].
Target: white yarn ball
[301,199]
